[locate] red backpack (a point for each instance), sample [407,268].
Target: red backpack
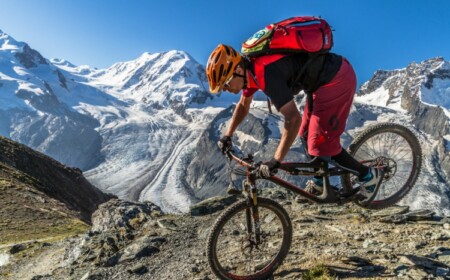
[297,34]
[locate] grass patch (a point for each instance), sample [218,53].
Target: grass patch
[320,272]
[48,231]
[4,183]
[25,215]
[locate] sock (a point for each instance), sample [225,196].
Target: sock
[318,181]
[368,176]
[346,160]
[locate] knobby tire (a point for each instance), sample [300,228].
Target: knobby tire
[388,132]
[265,204]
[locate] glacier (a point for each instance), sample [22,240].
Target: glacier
[147,129]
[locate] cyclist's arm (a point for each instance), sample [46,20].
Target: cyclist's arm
[292,121]
[240,112]
[277,87]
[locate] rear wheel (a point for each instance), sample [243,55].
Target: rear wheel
[234,251]
[395,149]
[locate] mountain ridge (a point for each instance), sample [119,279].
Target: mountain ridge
[41,197]
[430,81]
[139,129]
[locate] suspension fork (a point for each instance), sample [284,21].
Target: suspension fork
[248,214]
[252,213]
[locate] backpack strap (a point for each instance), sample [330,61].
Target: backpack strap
[250,70]
[256,81]
[314,84]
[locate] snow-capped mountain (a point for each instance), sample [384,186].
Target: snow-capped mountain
[125,126]
[422,92]
[419,95]
[147,129]
[39,106]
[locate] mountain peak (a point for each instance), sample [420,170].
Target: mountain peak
[29,57]
[437,59]
[180,55]
[62,62]
[421,89]
[9,43]
[145,55]
[414,70]
[177,53]
[168,56]
[424,67]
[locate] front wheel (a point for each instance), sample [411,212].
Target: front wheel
[394,148]
[236,252]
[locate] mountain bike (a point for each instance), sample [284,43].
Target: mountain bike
[251,238]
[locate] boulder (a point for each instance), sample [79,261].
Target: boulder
[212,205]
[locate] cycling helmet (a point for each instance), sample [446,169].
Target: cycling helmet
[220,67]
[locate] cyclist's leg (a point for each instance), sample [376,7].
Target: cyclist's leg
[323,126]
[332,104]
[346,160]
[306,116]
[317,182]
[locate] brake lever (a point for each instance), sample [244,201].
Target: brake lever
[228,153]
[249,158]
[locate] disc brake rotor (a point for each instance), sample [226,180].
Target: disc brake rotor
[389,167]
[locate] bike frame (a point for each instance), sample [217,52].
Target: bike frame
[301,169]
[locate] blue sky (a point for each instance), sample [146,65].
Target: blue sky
[372,34]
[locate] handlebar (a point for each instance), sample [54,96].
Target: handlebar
[252,166]
[246,162]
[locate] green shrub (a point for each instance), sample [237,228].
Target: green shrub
[320,272]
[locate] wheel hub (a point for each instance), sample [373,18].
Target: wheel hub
[388,165]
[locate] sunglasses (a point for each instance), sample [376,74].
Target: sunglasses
[227,82]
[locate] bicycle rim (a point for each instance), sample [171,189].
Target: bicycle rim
[232,249]
[397,149]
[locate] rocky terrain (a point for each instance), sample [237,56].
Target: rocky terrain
[40,197]
[50,231]
[137,241]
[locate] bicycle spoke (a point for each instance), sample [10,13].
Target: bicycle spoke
[366,154]
[399,157]
[395,148]
[393,145]
[373,147]
[238,252]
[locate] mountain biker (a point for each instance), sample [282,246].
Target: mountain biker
[330,79]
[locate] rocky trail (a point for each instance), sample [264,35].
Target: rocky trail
[137,241]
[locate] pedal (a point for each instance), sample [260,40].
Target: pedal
[370,198]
